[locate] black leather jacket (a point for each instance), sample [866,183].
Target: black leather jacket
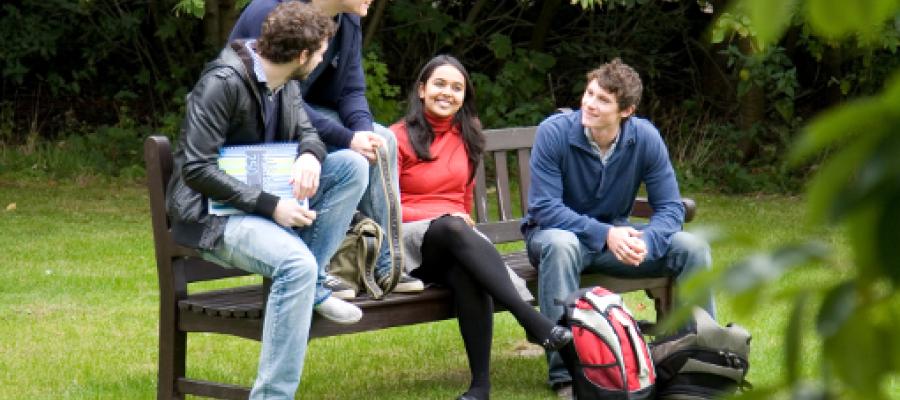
[224,108]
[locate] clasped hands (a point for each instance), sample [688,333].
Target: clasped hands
[626,245]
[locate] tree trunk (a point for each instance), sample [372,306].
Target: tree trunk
[752,111]
[211,24]
[473,13]
[229,15]
[713,64]
[833,58]
[539,35]
[218,19]
[459,48]
[373,22]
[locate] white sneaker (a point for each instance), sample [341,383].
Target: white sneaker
[339,311]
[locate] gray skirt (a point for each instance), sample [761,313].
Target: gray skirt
[414,233]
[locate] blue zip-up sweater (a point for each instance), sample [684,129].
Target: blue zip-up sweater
[340,85]
[572,190]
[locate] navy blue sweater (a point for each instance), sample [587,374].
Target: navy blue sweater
[341,84]
[572,190]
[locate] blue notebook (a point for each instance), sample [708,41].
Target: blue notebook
[266,166]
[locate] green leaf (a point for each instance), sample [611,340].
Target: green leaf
[836,124]
[501,45]
[785,108]
[792,339]
[838,306]
[765,267]
[887,232]
[832,179]
[837,18]
[746,302]
[891,94]
[875,176]
[770,18]
[856,353]
[804,391]
[718,35]
[690,292]
[862,237]
[195,8]
[541,61]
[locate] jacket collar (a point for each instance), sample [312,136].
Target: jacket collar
[236,57]
[578,139]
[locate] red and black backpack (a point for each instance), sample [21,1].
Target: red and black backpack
[608,357]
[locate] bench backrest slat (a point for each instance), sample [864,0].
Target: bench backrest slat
[502,145]
[501,180]
[524,156]
[481,205]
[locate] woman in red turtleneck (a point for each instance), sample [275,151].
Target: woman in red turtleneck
[439,145]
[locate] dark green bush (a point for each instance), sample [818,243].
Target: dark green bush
[72,72]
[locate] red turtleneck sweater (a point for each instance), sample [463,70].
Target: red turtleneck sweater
[431,189]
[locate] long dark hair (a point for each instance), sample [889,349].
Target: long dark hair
[420,133]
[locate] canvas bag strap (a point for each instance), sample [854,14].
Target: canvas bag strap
[367,255]
[392,230]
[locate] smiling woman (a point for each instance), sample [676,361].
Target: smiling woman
[440,143]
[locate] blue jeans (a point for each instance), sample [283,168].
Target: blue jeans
[259,245]
[563,258]
[374,204]
[341,185]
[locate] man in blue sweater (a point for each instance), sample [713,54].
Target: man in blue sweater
[586,168]
[335,100]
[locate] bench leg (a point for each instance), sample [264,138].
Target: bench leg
[663,298]
[172,352]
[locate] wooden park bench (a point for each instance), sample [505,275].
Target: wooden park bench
[239,310]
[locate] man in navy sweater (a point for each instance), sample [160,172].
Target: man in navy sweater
[586,168]
[335,95]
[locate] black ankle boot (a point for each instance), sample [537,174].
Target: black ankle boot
[559,337]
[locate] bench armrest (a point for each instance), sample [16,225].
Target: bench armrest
[642,208]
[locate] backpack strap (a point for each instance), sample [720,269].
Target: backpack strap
[394,222]
[568,304]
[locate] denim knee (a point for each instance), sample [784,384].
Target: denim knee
[688,253]
[351,168]
[560,245]
[556,249]
[297,269]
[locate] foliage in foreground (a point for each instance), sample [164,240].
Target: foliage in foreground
[857,187]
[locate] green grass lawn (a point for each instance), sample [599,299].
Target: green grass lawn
[78,308]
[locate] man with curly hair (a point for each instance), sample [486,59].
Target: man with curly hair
[335,94]
[249,95]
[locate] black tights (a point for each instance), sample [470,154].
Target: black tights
[455,255]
